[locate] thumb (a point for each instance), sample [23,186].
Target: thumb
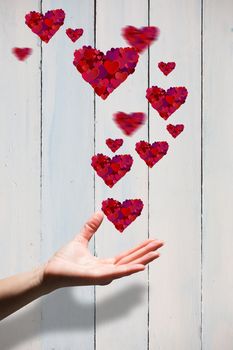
[91,226]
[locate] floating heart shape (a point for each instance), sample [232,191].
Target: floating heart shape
[45,26]
[175,130]
[105,72]
[122,214]
[114,145]
[166,68]
[166,102]
[129,123]
[151,154]
[111,170]
[140,38]
[74,34]
[22,53]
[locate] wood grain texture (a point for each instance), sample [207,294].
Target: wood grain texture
[175,192]
[67,178]
[19,167]
[121,307]
[218,172]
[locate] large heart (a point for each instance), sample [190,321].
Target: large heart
[140,38]
[22,53]
[74,34]
[175,130]
[166,102]
[111,170]
[45,26]
[122,214]
[105,72]
[151,154]
[114,145]
[129,123]
[166,68]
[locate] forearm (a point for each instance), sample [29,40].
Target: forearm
[19,290]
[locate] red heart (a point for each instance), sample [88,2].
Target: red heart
[74,34]
[45,26]
[122,214]
[166,102]
[151,154]
[129,123]
[111,170]
[114,145]
[140,38]
[166,68]
[22,53]
[175,130]
[105,72]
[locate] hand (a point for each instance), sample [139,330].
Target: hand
[74,265]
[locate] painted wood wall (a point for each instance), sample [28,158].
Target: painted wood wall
[50,126]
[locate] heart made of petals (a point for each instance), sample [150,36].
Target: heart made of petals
[122,214]
[151,153]
[166,68]
[166,102]
[129,122]
[114,145]
[175,130]
[22,53]
[45,26]
[140,38]
[111,170]
[105,72]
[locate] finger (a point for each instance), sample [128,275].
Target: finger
[152,246]
[90,227]
[120,271]
[130,251]
[146,259]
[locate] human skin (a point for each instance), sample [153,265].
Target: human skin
[74,265]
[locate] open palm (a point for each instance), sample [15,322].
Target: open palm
[74,265]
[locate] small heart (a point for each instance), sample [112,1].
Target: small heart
[114,145]
[140,38]
[129,123]
[175,130]
[166,102]
[74,34]
[105,72]
[45,26]
[113,169]
[22,53]
[166,68]
[151,154]
[122,214]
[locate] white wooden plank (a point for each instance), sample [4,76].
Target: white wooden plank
[121,307]
[68,194]
[175,193]
[218,172]
[19,167]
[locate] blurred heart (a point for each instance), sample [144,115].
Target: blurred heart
[45,26]
[151,153]
[74,34]
[166,102]
[175,130]
[166,68]
[113,169]
[105,72]
[114,145]
[122,214]
[129,122]
[22,53]
[140,38]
